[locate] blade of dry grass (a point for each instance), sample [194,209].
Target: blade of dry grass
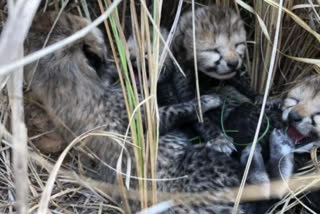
[261,23]
[11,48]
[266,93]
[85,9]
[151,107]
[195,62]
[302,6]
[164,53]
[315,62]
[148,44]
[19,141]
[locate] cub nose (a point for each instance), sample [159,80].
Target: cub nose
[294,117]
[233,64]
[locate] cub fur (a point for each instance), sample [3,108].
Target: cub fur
[220,46]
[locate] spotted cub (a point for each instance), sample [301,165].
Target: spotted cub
[220,48]
[301,110]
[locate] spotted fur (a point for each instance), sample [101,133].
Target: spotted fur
[220,46]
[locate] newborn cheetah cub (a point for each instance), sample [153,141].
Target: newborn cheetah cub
[220,47]
[301,110]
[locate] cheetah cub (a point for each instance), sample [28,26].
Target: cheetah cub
[301,110]
[220,48]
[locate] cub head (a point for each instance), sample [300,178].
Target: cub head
[84,57]
[133,47]
[220,41]
[135,54]
[302,109]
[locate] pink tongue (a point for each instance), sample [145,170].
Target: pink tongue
[294,134]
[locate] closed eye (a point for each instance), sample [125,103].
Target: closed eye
[240,48]
[295,99]
[291,101]
[316,114]
[240,43]
[316,118]
[215,50]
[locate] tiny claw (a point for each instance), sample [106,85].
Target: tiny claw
[222,144]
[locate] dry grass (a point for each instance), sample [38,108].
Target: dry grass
[62,187]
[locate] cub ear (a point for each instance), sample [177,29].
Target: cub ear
[102,65]
[95,61]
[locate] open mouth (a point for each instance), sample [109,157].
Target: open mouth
[295,135]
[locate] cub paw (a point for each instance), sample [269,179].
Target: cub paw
[281,161]
[245,153]
[257,173]
[280,143]
[273,103]
[223,144]
[209,102]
